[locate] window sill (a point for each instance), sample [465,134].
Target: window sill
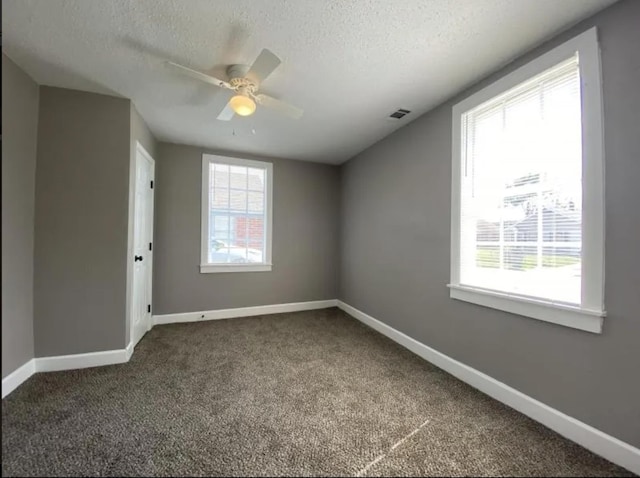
[569,316]
[211,268]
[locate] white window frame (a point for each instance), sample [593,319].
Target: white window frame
[205,266]
[590,313]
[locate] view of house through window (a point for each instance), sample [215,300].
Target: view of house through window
[237,205]
[521,189]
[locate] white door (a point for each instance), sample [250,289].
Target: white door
[142,245]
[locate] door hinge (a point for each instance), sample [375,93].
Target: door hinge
[149,308]
[151,184]
[150,246]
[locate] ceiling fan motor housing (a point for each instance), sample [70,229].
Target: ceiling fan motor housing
[242,85]
[237,71]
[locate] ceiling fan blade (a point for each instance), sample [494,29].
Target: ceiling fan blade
[281,106]
[198,75]
[264,65]
[227,113]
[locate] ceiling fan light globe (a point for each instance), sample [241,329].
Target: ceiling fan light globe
[242,105]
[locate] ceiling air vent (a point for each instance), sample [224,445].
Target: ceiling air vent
[401,113]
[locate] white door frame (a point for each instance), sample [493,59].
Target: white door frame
[139,149]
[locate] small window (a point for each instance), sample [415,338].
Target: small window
[236,215]
[527,197]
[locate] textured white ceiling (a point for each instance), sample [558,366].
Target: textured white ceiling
[348,63]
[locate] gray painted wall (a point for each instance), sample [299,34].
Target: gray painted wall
[396,240]
[81,222]
[139,133]
[305,238]
[19,129]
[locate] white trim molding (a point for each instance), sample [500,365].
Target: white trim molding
[242,312]
[588,311]
[76,361]
[249,267]
[569,316]
[605,445]
[131,346]
[17,377]
[205,208]
[113,357]
[64,362]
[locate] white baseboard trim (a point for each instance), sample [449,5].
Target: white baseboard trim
[605,445]
[19,375]
[64,362]
[92,359]
[242,312]
[130,347]
[112,357]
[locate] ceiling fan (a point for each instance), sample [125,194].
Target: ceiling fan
[245,82]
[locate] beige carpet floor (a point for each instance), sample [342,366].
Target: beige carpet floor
[299,394]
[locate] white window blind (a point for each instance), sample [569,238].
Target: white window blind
[236,214]
[521,214]
[527,215]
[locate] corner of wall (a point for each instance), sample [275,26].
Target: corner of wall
[20,109]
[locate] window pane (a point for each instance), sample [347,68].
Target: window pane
[256,179]
[220,175]
[220,198]
[256,202]
[221,227]
[238,201]
[521,227]
[237,209]
[255,234]
[238,177]
[488,256]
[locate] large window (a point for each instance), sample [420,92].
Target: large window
[236,215]
[527,212]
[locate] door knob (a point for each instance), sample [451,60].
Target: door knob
[137,258]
